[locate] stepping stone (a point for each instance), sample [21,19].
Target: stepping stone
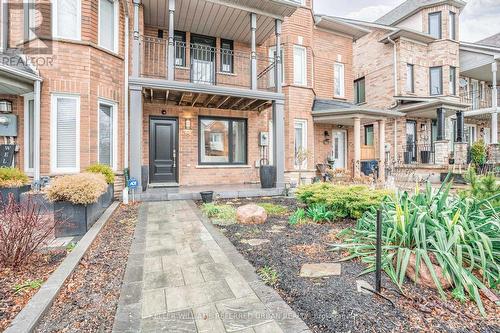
[255,241]
[320,270]
[277,229]
[360,284]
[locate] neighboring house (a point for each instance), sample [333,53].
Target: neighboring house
[186,92]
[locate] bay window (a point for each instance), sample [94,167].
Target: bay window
[65,133]
[107,134]
[222,141]
[435,25]
[436,80]
[453,80]
[299,65]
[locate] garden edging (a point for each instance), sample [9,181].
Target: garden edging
[27,320]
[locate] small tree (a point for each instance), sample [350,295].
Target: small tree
[301,156]
[478,153]
[24,228]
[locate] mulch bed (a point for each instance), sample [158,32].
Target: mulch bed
[333,304]
[88,301]
[39,267]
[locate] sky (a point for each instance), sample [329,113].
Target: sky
[479,19]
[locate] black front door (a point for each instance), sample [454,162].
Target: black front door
[163,150]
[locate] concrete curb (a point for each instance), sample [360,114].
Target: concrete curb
[27,320]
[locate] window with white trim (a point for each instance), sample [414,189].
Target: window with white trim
[410,81]
[339,80]
[65,133]
[108,24]
[29,133]
[300,141]
[29,20]
[66,19]
[272,57]
[107,139]
[299,65]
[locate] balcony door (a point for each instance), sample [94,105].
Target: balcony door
[202,59]
[411,141]
[475,94]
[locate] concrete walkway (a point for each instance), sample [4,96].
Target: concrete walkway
[183,275]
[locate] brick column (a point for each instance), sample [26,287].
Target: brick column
[460,153]
[442,152]
[357,147]
[494,153]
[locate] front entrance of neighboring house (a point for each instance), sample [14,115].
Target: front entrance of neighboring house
[202,59]
[339,149]
[163,147]
[411,141]
[475,94]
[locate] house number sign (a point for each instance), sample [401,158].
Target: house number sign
[7,155]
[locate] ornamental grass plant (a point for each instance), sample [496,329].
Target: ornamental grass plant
[79,189]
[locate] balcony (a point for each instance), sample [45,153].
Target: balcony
[417,153]
[479,99]
[206,65]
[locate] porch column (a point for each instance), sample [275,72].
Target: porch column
[171,48]
[279,141]
[136,48]
[440,124]
[395,140]
[36,132]
[277,69]
[460,127]
[136,142]
[357,147]
[381,140]
[253,68]
[494,115]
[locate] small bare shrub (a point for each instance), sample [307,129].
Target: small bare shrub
[80,189]
[24,228]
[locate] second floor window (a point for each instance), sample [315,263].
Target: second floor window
[226,56]
[339,75]
[453,80]
[299,65]
[180,48]
[410,86]
[436,80]
[435,25]
[108,24]
[452,25]
[66,19]
[359,91]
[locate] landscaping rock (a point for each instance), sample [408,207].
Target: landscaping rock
[251,214]
[320,270]
[361,285]
[255,241]
[424,276]
[276,229]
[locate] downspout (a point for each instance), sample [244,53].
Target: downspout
[395,74]
[126,85]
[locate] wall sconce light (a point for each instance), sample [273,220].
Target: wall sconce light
[163,112]
[340,126]
[5,106]
[187,124]
[326,140]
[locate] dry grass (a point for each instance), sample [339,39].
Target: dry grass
[81,189]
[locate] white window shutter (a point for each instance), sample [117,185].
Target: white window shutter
[66,140]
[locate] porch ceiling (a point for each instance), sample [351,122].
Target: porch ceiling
[223,18]
[426,107]
[205,100]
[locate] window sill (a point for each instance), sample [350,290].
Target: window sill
[224,166]
[339,98]
[227,73]
[182,67]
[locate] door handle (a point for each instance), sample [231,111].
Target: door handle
[174,156]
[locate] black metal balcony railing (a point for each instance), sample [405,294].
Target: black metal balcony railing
[418,153]
[204,64]
[479,99]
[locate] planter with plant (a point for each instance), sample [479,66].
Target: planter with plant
[77,201]
[109,175]
[436,239]
[13,181]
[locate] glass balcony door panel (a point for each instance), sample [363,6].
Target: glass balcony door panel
[202,60]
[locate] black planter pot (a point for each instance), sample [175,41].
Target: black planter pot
[16,191]
[38,199]
[267,176]
[207,196]
[425,156]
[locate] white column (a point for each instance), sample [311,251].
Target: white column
[277,69]
[171,48]
[136,51]
[279,141]
[357,147]
[253,66]
[381,140]
[136,134]
[36,131]
[4,24]
[494,115]
[395,148]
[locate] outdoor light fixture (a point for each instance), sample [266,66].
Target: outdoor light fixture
[327,137]
[5,106]
[187,124]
